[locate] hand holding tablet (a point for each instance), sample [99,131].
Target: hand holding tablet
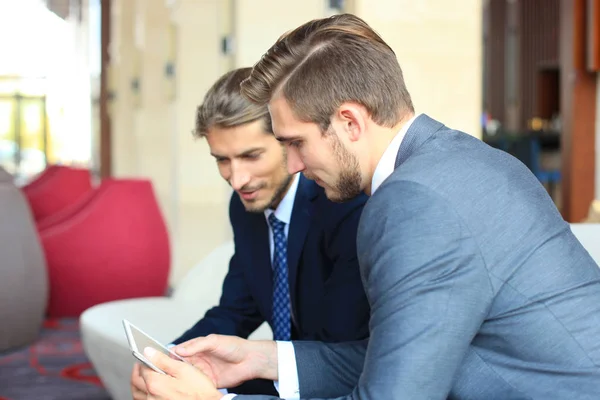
[139,340]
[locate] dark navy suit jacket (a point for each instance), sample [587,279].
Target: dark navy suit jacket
[328,300]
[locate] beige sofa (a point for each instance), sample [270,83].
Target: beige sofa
[23,277]
[589,236]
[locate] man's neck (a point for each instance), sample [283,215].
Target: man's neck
[282,194]
[381,137]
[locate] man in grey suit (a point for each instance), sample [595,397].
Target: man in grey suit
[478,288]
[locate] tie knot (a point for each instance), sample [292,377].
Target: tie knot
[276,224]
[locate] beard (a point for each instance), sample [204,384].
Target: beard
[280,192]
[349,181]
[278,195]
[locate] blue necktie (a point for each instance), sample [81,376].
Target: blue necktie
[281,290]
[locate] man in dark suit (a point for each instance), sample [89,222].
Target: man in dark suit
[295,263]
[478,288]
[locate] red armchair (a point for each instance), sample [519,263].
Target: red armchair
[112,244]
[55,188]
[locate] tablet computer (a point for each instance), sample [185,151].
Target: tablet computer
[139,340]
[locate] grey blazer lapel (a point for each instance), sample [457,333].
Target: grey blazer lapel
[422,128]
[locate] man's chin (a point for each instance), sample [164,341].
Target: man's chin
[255,206]
[334,195]
[338,196]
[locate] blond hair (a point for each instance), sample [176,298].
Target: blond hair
[225,107]
[326,62]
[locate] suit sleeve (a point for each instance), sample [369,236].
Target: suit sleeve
[237,313]
[429,293]
[346,309]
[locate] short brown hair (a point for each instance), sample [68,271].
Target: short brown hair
[326,62]
[225,107]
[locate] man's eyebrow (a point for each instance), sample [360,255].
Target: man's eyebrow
[285,139]
[244,153]
[250,151]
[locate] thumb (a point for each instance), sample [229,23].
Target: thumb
[162,361]
[195,346]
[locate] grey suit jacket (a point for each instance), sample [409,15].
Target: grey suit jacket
[478,289]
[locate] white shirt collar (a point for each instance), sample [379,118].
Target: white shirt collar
[387,162]
[283,212]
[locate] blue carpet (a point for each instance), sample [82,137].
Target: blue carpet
[54,367]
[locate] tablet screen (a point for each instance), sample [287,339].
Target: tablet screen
[139,340]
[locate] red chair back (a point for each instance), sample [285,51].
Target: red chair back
[56,188]
[112,245]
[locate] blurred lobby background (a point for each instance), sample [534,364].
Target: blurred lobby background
[112,86]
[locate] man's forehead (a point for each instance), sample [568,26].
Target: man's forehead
[282,127]
[283,133]
[279,108]
[286,126]
[225,144]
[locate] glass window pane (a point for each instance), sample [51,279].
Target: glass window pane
[32,131]
[8,145]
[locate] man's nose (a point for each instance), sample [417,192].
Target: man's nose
[239,177]
[294,161]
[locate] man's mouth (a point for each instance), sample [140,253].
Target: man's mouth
[318,181]
[249,194]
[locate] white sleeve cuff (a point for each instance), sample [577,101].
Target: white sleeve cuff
[287,386]
[228,396]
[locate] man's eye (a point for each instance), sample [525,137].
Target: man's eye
[221,160]
[295,143]
[251,156]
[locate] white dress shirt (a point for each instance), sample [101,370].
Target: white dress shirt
[287,369]
[387,162]
[283,212]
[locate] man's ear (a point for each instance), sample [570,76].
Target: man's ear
[353,119]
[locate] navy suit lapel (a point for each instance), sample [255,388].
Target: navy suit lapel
[422,128]
[299,225]
[261,262]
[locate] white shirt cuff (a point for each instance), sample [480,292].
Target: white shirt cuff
[228,396]
[287,386]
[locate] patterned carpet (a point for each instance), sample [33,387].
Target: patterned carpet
[53,368]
